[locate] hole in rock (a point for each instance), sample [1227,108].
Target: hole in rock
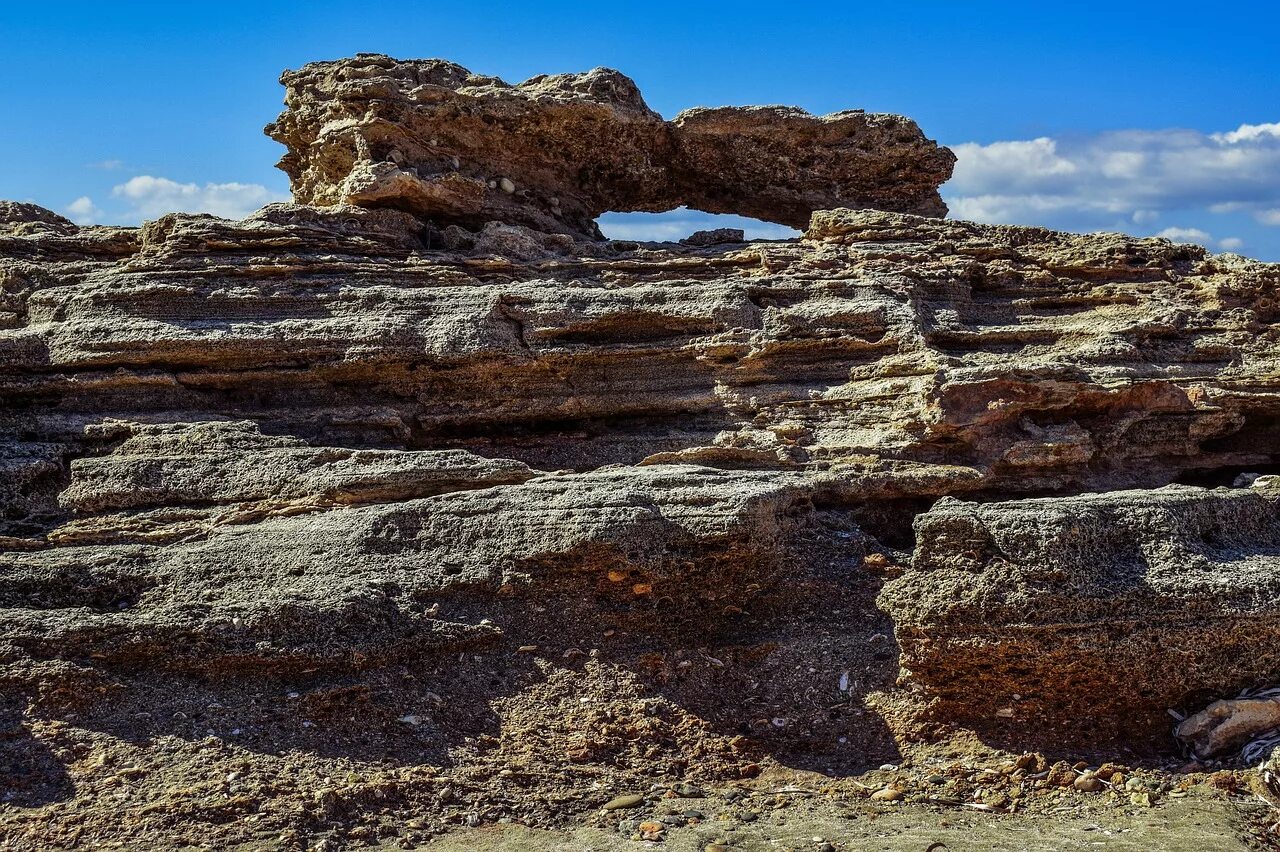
[675,225]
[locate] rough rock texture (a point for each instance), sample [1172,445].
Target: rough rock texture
[365,528]
[554,152]
[1096,610]
[1224,726]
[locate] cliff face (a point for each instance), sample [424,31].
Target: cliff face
[458,496]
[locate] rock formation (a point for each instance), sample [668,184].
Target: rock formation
[554,152]
[426,488]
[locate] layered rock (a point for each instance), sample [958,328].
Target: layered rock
[554,152]
[1083,618]
[223,377]
[422,483]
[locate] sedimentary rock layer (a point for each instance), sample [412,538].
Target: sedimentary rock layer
[1083,617]
[554,152]
[316,452]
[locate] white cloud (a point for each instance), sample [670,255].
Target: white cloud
[1128,176]
[1231,244]
[1185,235]
[150,197]
[1248,133]
[83,211]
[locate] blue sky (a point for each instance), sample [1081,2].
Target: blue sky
[1142,117]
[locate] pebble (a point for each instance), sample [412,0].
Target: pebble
[1088,783]
[717,847]
[507,185]
[689,791]
[626,800]
[749,816]
[888,794]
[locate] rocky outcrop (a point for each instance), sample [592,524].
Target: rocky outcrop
[419,486]
[314,373]
[554,152]
[1083,618]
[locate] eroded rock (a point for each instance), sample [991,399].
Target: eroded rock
[419,485]
[554,152]
[1225,726]
[1098,611]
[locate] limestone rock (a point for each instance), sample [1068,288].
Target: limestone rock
[1100,609]
[554,152]
[1224,726]
[413,481]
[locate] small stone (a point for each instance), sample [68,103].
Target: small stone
[1143,799]
[410,720]
[623,801]
[507,185]
[748,816]
[689,791]
[1088,783]
[526,649]
[650,827]
[642,588]
[616,576]
[888,794]
[1005,713]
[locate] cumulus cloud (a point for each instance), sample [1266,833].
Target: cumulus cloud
[1231,244]
[83,211]
[149,197]
[1111,179]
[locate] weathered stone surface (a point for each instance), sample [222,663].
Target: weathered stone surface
[1225,726]
[501,522]
[228,387]
[554,152]
[1099,610]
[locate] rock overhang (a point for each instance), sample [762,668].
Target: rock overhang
[556,151]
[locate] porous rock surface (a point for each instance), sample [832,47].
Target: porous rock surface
[556,151]
[498,527]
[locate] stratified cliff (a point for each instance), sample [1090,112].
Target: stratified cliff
[435,489]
